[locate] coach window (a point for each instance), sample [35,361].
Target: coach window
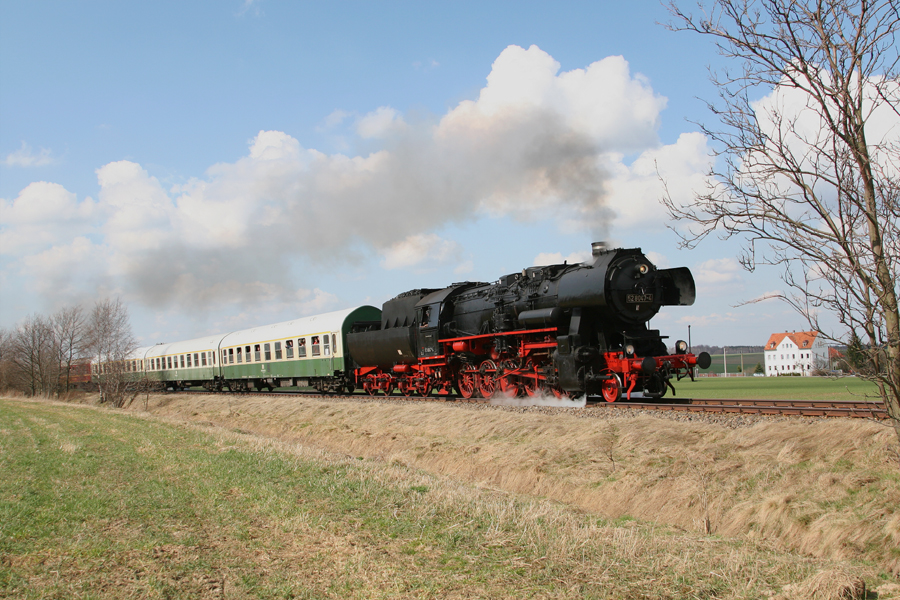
[277,350]
[327,347]
[239,355]
[247,354]
[289,348]
[301,348]
[268,350]
[231,356]
[196,360]
[224,357]
[168,362]
[202,359]
[189,361]
[315,345]
[256,353]
[334,343]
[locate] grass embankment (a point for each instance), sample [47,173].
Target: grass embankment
[778,388]
[829,488]
[103,505]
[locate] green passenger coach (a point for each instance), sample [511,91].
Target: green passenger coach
[307,352]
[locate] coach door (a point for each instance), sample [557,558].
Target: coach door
[427,318]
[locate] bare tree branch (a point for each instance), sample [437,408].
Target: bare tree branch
[809,180]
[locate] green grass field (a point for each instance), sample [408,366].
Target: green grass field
[98,504]
[778,388]
[734,361]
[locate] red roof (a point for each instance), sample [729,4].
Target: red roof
[802,339]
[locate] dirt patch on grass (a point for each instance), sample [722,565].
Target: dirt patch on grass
[829,488]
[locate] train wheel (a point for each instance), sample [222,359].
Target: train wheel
[655,387]
[556,393]
[531,385]
[611,389]
[487,385]
[508,383]
[406,387]
[369,387]
[467,384]
[424,385]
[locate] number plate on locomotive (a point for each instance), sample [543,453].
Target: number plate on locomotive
[639,298]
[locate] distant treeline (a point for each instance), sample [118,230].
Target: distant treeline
[697,348]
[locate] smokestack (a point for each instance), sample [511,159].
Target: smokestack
[597,248]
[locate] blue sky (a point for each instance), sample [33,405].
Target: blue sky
[227,164]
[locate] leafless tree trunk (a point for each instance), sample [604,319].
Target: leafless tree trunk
[69,330]
[34,356]
[111,342]
[7,364]
[811,175]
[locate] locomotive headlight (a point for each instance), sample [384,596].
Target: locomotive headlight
[681,347]
[629,350]
[642,269]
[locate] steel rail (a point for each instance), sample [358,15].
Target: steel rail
[796,408]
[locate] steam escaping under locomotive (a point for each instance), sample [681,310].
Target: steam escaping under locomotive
[560,329]
[565,330]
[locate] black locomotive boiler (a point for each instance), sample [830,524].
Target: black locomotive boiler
[560,329]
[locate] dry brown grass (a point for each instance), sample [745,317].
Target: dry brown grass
[827,488]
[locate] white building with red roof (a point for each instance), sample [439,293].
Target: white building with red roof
[795,352]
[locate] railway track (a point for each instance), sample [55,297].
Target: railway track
[797,408]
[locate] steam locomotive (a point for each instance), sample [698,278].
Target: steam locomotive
[560,329]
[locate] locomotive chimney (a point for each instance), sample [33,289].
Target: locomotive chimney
[597,248]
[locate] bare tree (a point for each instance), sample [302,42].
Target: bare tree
[69,328]
[7,364]
[35,357]
[810,176]
[111,343]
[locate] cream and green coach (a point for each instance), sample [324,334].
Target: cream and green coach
[306,352]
